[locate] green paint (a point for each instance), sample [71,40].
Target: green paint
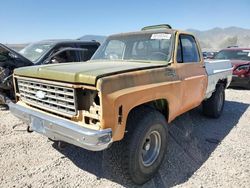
[83,72]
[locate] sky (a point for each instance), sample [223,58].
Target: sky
[32,20]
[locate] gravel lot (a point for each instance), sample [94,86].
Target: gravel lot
[202,152]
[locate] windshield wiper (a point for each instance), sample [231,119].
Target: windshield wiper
[136,60]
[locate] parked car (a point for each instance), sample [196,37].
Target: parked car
[208,55]
[43,52]
[240,58]
[134,85]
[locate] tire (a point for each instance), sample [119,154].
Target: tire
[145,144]
[248,86]
[213,106]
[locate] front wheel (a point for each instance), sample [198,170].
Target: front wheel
[145,143]
[213,106]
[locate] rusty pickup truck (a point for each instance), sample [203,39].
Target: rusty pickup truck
[134,85]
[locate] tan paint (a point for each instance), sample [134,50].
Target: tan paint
[183,85]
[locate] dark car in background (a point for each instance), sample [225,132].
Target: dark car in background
[39,53]
[240,58]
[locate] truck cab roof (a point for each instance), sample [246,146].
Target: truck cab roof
[162,28]
[67,41]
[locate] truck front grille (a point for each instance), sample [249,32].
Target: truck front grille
[54,98]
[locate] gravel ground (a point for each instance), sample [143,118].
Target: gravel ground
[202,152]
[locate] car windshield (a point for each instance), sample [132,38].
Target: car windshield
[234,55]
[34,51]
[144,47]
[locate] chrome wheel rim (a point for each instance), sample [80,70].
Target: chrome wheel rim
[151,148]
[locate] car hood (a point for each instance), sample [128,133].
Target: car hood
[20,60]
[83,72]
[239,62]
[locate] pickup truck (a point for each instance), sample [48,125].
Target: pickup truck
[134,85]
[39,53]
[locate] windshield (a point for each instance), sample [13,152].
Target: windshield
[138,47]
[34,51]
[234,55]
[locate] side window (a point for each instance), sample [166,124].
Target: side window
[187,51]
[61,46]
[64,56]
[179,52]
[86,55]
[69,56]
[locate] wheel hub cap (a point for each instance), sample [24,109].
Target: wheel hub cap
[151,148]
[147,146]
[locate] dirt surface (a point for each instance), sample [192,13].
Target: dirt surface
[202,152]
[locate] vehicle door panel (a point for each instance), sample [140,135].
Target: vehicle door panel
[191,71]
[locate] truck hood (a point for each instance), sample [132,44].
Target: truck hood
[83,72]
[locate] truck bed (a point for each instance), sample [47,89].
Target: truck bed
[217,70]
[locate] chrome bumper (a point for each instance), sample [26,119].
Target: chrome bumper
[60,129]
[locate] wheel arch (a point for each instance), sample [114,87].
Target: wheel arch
[123,111]
[223,82]
[160,105]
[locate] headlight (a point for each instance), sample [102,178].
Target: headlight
[88,103]
[243,67]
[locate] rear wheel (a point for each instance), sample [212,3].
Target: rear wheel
[213,106]
[248,85]
[145,144]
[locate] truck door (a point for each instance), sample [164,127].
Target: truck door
[191,70]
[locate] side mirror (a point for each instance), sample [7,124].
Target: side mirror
[47,61]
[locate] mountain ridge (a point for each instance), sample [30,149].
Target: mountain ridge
[210,40]
[217,38]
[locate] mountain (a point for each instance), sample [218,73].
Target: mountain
[16,47]
[218,38]
[210,40]
[98,38]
